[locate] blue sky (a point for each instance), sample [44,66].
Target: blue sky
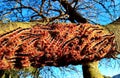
[110,67]
[107,67]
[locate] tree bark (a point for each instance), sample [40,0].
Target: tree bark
[115,28]
[73,14]
[6,27]
[91,70]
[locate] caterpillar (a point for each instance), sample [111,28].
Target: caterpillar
[55,44]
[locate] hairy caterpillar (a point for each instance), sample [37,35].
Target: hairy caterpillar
[55,44]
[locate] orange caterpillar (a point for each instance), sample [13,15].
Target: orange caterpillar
[55,44]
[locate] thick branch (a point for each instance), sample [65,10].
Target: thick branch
[90,70]
[115,28]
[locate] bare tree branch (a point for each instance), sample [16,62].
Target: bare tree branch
[73,14]
[104,7]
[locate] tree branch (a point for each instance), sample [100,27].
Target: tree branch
[73,14]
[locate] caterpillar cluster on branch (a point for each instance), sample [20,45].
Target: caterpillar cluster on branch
[55,44]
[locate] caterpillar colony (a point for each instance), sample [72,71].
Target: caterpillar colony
[55,44]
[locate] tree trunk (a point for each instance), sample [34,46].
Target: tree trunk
[90,70]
